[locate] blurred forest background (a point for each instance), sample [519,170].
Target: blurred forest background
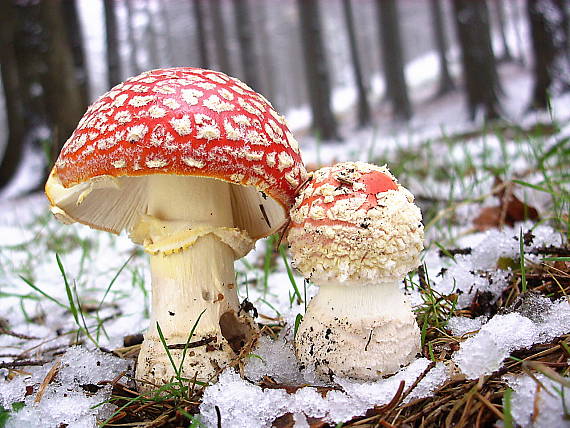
[57,56]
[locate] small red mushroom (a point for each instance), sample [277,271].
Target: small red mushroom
[355,232]
[196,166]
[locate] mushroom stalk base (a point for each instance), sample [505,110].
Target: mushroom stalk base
[192,287]
[362,332]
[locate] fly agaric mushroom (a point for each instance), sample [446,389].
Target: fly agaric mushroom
[356,233]
[196,166]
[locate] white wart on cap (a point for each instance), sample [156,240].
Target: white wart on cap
[356,233]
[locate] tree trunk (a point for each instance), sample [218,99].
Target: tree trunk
[363,105]
[479,68]
[446,83]
[62,90]
[166,35]
[393,59]
[246,41]
[324,122]
[549,50]
[29,47]
[14,104]
[517,22]
[132,40]
[564,10]
[112,44]
[221,44]
[501,20]
[151,37]
[267,60]
[201,36]
[72,22]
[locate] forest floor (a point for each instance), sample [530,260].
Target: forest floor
[491,299]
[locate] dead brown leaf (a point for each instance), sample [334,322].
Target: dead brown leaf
[509,211]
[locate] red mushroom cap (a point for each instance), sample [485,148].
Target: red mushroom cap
[183,121]
[347,184]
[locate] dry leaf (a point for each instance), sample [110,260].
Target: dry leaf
[509,211]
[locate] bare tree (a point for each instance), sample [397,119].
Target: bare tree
[29,46]
[549,49]
[446,83]
[501,21]
[62,90]
[72,22]
[151,38]
[316,68]
[167,36]
[393,59]
[133,46]
[268,65]
[245,32]
[363,104]
[219,30]
[479,68]
[13,99]
[517,23]
[201,39]
[564,10]
[112,44]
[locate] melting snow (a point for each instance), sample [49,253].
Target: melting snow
[485,352]
[550,400]
[72,395]
[478,271]
[258,407]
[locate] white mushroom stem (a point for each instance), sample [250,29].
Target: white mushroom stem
[358,331]
[192,272]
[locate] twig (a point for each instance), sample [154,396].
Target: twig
[195,344]
[22,363]
[418,380]
[397,397]
[18,335]
[455,252]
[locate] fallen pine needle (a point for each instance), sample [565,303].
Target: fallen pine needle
[47,380]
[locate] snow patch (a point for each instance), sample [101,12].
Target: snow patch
[73,397]
[551,402]
[258,407]
[484,353]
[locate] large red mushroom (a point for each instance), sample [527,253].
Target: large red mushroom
[195,166]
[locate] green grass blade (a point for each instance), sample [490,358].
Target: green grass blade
[43,293]
[290,274]
[113,280]
[298,320]
[189,339]
[166,349]
[72,306]
[508,420]
[556,259]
